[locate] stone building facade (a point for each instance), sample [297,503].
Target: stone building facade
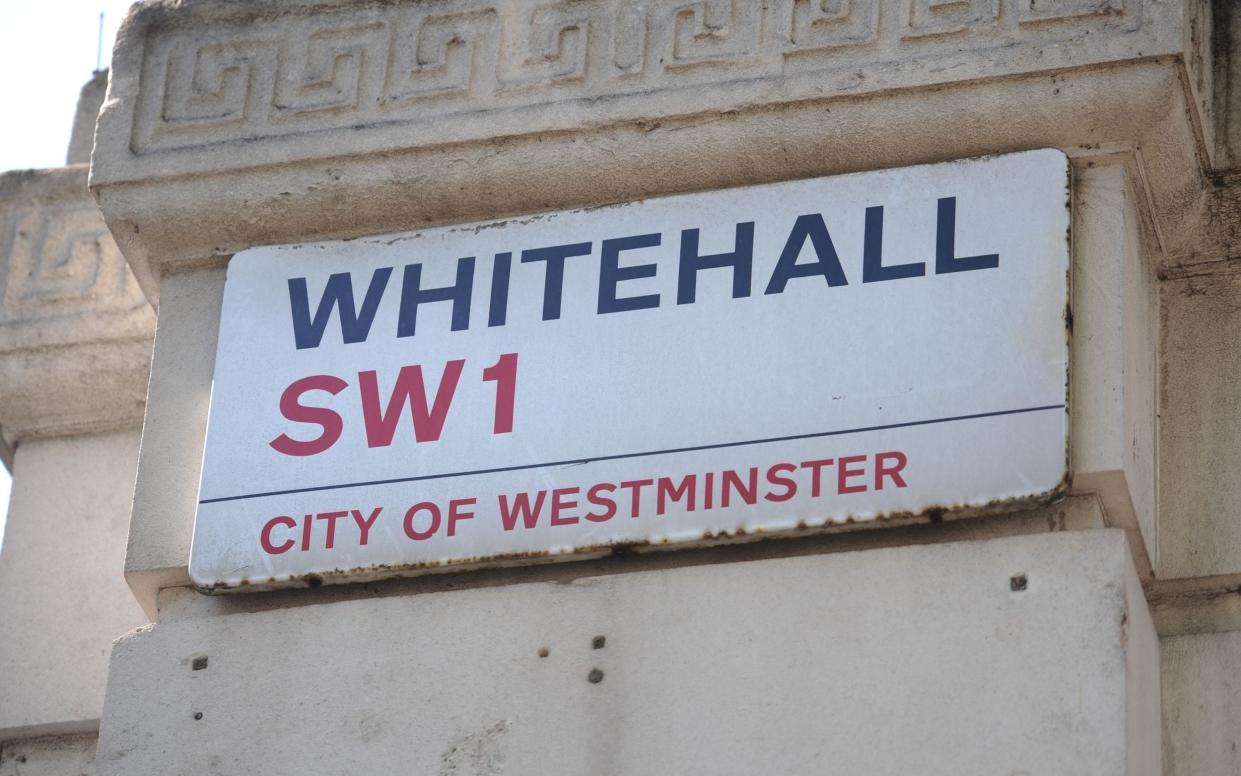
[898,648]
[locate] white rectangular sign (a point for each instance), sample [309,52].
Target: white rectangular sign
[760,359]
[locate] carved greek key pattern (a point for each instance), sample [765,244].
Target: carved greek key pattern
[945,17]
[59,262]
[1068,10]
[436,59]
[818,25]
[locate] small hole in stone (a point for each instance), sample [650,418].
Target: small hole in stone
[21,758]
[543,652]
[1018,583]
[198,715]
[598,642]
[199,663]
[595,676]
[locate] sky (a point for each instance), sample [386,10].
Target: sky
[48,50]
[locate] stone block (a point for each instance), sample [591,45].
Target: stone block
[1029,655]
[63,597]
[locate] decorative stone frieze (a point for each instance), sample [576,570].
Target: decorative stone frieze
[75,329]
[358,65]
[386,116]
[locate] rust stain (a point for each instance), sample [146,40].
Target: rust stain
[936,513]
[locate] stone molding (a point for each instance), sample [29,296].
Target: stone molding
[353,65]
[64,280]
[75,329]
[369,107]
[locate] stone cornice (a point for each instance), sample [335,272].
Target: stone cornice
[229,124]
[75,330]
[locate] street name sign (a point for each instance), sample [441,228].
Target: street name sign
[760,360]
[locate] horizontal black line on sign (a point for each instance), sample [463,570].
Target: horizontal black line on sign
[619,456]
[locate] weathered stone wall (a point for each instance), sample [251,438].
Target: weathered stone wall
[231,124]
